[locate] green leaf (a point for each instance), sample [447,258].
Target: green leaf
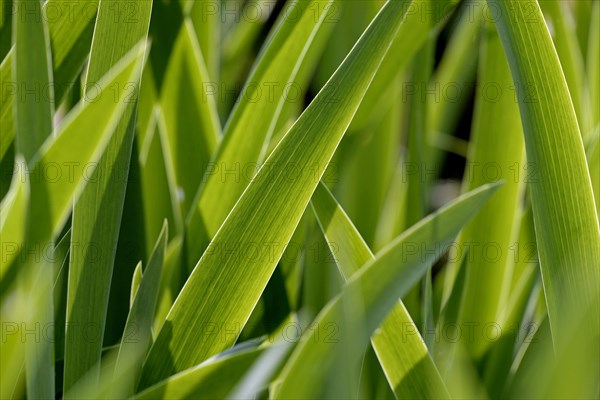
[158,188]
[139,321]
[430,16]
[13,214]
[206,19]
[496,153]
[169,282]
[567,48]
[393,213]
[564,214]
[97,213]
[80,154]
[261,373]
[593,68]
[33,118]
[457,68]
[399,347]
[593,156]
[444,352]
[60,258]
[213,379]
[569,371]
[135,283]
[237,46]
[74,156]
[32,63]
[6,104]
[267,214]
[366,167]
[375,290]
[250,126]
[513,321]
[70,26]
[417,191]
[188,104]
[5,27]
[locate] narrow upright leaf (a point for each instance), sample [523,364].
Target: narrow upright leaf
[70,26]
[189,105]
[566,223]
[267,214]
[97,213]
[456,69]
[51,199]
[399,347]
[34,110]
[13,222]
[252,121]
[50,204]
[376,288]
[567,48]
[206,18]
[32,74]
[496,152]
[139,321]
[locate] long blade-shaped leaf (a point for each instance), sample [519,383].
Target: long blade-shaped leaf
[457,67]
[188,104]
[97,214]
[565,218]
[32,63]
[206,19]
[140,318]
[13,214]
[5,28]
[252,121]
[431,15]
[159,199]
[50,204]
[593,70]
[267,213]
[239,39]
[33,125]
[404,358]
[213,379]
[76,153]
[70,26]
[567,48]
[497,152]
[7,126]
[376,288]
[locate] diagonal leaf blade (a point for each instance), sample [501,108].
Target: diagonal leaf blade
[70,27]
[400,348]
[377,287]
[211,294]
[133,348]
[97,213]
[252,121]
[188,104]
[32,69]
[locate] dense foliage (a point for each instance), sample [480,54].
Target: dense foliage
[302,199]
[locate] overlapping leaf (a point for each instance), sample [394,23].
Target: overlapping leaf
[252,122]
[566,223]
[376,289]
[399,346]
[97,213]
[266,215]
